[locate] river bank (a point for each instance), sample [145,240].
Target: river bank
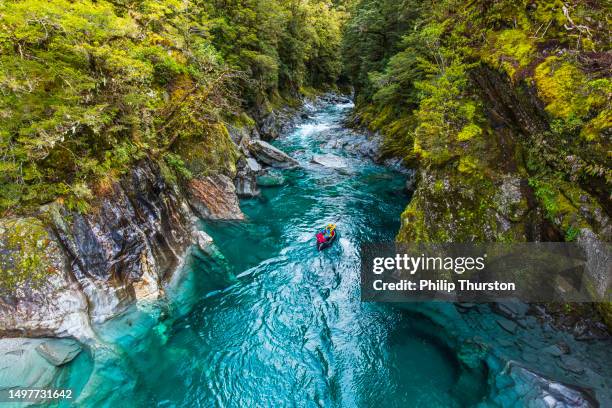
[258,302]
[254,296]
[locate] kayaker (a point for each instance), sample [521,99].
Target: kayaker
[326,236]
[329,231]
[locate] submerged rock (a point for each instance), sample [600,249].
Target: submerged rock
[507,325]
[511,309]
[203,240]
[59,352]
[534,390]
[214,198]
[270,155]
[331,161]
[23,366]
[554,350]
[271,178]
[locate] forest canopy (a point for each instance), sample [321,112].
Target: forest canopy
[87,87]
[475,92]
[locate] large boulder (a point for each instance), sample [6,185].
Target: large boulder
[214,198]
[270,155]
[59,352]
[246,177]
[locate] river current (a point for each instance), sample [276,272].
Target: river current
[268,320]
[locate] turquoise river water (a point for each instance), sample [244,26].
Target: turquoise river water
[268,320]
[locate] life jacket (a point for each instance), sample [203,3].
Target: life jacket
[321,238]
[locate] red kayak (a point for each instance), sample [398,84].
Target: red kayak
[323,242]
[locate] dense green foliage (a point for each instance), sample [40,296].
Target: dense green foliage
[87,87]
[282,45]
[419,85]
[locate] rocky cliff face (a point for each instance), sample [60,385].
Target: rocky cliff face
[90,266]
[130,242]
[55,307]
[120,251]
[519,183]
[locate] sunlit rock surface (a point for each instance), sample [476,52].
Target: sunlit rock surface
[214,197]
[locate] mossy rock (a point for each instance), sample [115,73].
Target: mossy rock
[567,206]
[605,309]
[511,50]
[213,153]
[450,206]
[26,253]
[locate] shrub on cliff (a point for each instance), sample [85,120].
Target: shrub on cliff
[87,87]
[426,93]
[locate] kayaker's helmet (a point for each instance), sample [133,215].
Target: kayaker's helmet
[331,227]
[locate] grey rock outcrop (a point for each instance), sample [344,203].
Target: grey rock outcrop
[59,352]
[270,155]
[598,264]
[246,177]
[54,307]
[123,250]
[273,124]
[203,240]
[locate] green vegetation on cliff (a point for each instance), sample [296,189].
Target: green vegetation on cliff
[505,107]
[87,87]
[27,253]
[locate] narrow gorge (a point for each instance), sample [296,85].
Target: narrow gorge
[166,165]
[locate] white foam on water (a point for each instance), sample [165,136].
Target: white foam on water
[347,105]
[308,129]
